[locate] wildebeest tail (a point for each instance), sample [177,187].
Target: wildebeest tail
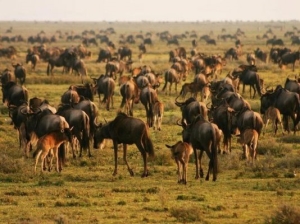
[148,144]
[214,154]
[62,153]
[86,131]
[126,92]
[150,106]
[257,85]
[166,80]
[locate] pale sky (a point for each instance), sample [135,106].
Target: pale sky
[150,10]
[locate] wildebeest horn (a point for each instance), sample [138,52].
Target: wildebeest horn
[178,122]
[178,103]
[95,123]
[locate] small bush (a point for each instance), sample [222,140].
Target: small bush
[185,214]
[10,165]
[285,215]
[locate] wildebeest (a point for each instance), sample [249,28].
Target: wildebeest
[33,59]
[7,76]
[20,72]
[130,94]
[148,97]
[248,76]
[181,152]
[275,42]
[251,59]
[172,76]
[86,90]
[203,135]
[70,97]
[106,85]
[126,130]
[273,114]
[249,140]
[286,102]
[124,53]
[292,85]
[14,94]
[289,58]
[51,142]
[79,67]
[80,123]
[261,55]
[104,55]
[211,42]
[114,67]
[231,54]
[158,111]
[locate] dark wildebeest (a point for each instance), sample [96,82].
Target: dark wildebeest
[105,85]
[104,55]
[211,42]
[289,58]
[86,90]
[173,41]
[248,76]
[20,72]
[33,59]
[41,123]
[14,94]
[7,76]
[130,94]
[80,122]
[231,54]
[275,42]
[126,130]
[79,67]
[148,98]
[112,68]
[286,102]
[70,97]
[124,52]
[148,41]
[263,56]
[190,109]
[142,48]
[204,136]
[292,85]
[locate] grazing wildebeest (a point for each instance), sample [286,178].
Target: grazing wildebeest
[80,123]
[286,102]
[249,140]
[130,94]
[273,114]
[104,55]
[50,143]
[106,85]
[114,67]
[181,152]
[126,130]
[86,90]
[289,58]
[248,76]
[158,111]
[124,52]
[14,94]
[263,56]
[148,97]
[33,59]
[79,67]
[203,135]
[231,54]
[20,72]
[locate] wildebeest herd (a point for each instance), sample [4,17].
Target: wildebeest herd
[220,113]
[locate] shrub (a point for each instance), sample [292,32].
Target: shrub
[285,215]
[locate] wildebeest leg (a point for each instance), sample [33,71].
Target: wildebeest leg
[170,86]
[265,126]
[116,158]
[200,163]
[125,159]
[196,163]
[141,148]
[184,171]
[37,160]
[178,170]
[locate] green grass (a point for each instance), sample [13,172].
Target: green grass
[86,192]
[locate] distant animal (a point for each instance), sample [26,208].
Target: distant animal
[106,85]
[251,59]
[249,139]
[126,130]
[261,55]
[33,59]
[20,72]
[130,94]
[273,114]
[181,152]
[14,94]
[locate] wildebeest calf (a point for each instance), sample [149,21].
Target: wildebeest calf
[273,114]
[249,139]
[158,111]
[181,152]
[50,143]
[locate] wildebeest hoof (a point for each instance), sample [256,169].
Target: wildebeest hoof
[131,172]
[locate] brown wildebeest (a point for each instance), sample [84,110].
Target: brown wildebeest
[181,152]
[126,130]
[273,114]
[249,139]
[117,67]
[33,59]
[148,97]
[20,72]
[130,94]
[106,85]
[70,97]
[50,143]
[158,111]
[7,76]
[171,76]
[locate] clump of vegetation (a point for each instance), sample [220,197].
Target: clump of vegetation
[187,214]
[271,146]
[285,215]
[10,165]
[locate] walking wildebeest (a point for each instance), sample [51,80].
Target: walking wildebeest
[130,94]
[106,85]
[273,114]
[20,72]
[181,152]
[14,94]
[33,59]
[126,130]
[249,139]
[158,111]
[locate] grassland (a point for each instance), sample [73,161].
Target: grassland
[86,192]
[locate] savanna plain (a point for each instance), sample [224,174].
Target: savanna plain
[87,192]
